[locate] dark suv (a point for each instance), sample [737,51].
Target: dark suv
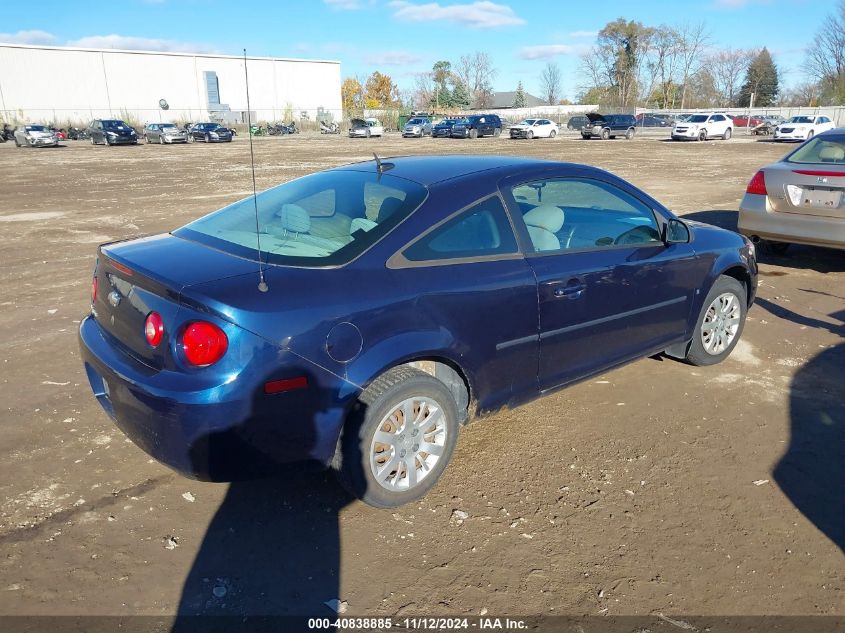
[112,132]
[477,125]
[607,126]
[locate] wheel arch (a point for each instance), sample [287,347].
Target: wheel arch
[743,276]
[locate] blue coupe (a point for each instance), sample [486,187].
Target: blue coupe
[357,317]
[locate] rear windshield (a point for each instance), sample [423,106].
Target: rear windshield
[826,149]
[325,219]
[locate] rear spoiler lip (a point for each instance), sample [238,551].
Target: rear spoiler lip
[819,172]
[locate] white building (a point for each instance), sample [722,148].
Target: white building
[53,84]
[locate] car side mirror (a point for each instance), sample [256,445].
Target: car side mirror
[676,232]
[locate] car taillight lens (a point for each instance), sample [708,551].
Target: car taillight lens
[94,284]
[204,343]
[757,184]
[154,329]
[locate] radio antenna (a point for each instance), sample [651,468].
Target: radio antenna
[262,285]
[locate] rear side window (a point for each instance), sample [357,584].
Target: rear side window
[481,230]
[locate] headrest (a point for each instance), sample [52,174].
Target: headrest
[361,224]
[294,218]
[832,153]
[545,216]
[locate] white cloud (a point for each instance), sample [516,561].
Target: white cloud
[128,42]
[544,51]
[478,15]
[28,37]
[392,58]
[575,34]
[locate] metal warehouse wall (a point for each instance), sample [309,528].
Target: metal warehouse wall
[53,84]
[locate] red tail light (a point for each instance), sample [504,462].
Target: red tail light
[204,343]
[757,184]
[94,284]
[154,329]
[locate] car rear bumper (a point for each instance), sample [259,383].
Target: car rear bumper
[756,219]
[219,431]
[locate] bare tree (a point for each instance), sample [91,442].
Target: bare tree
[476,72]
[664,62]
[826,55]
[423,90]
[728,67]
[692,39]
[550,83]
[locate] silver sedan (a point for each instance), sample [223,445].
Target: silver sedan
[165,133]
[35,136]
[801,198]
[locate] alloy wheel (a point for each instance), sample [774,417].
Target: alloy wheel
[721,323]
[407,444]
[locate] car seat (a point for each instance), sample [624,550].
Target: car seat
[543,222]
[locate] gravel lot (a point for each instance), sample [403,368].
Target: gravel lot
[658,487]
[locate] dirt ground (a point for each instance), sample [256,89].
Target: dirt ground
[656,488]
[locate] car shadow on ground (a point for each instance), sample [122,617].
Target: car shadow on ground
[812,471]
[273,546]
[823,260]
[272,549]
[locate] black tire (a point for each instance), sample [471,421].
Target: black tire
[553,133]
[776,248]
[160,139]
[368,133]
[697,354]
[106,141]
[473,133]
[147,139]
[810,134]
[208,138]
[497,132]
[629,134]
[702,136]
[586,137]
[352,460]
[605,134]
[727,135]
[529,135]
[93,142]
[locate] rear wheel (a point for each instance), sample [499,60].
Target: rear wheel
[398,439]
[553,133]
[720,323]
[147,138]
[728,134]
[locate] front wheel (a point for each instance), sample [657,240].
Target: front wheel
[605,134]
[720,323]
[629,134]
[398,439]
[473,133]
[702,136]
[810,134]
[208,138]
[728,134]
[160,140]
[530,135]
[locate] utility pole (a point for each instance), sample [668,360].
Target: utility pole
[748,118]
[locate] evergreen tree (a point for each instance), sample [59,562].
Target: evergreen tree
[460,95]
[761,78]
[519,96]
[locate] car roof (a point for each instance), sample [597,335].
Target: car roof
[428,170]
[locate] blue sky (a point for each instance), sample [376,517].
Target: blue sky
[404,37]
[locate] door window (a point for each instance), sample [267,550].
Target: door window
[578,214]
[481,230]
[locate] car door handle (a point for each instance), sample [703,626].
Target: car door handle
[573,288]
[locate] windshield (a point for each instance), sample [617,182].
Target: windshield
[801,119]
[168,126]
[114,125]
[416,121]
[324,219]
[698,118]
[826,149]
[449,122]
[36,128]
[527,122]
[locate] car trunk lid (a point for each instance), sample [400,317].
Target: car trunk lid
[141,276]
[807,189]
